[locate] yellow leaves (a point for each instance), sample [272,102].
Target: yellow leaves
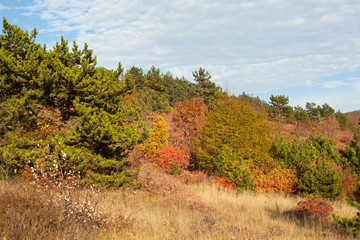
[158,138]
[234,124]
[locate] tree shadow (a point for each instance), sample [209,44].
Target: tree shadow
[303,221]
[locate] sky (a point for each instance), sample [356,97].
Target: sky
[308,50]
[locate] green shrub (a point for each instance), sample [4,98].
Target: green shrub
[230,166]
[316,163]
[321,178]
[352,151]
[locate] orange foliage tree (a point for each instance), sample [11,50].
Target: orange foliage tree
[189,116]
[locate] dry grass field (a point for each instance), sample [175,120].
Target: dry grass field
[166,207]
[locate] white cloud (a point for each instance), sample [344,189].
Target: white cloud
[331,18]
[2,7]
[332,84]
[252,46]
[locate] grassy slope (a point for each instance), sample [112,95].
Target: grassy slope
[170,208]
[166,208]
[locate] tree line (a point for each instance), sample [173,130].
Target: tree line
[58,106]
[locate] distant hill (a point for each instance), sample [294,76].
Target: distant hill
[353,117]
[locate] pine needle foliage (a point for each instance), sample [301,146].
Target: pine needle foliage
[101,129]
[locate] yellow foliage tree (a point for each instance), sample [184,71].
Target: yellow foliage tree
[158,138]
[233,129]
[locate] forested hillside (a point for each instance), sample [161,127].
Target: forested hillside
[63,117]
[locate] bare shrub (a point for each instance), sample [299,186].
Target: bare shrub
[50,204]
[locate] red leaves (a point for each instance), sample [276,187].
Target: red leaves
[226,183]
[315,207]
[169,156]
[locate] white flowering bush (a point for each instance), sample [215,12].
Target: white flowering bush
[78,204]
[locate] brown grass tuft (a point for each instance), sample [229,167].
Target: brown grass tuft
[181,211]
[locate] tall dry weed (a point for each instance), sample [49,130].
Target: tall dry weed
[50,204]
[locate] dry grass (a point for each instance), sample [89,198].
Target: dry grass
[27,212]
[273,216]
[204,211]
[166,208]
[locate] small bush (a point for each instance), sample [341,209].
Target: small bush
[229,166]
[316,207]
[66,189]
[156,182]
[171,159]
[273,176]
[50,204]
[321,178]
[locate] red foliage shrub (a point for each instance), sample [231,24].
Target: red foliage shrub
[226,183]
[169,157]
[272,176]
[348,183]
[315,207]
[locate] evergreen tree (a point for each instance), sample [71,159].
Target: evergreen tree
[205,88]
[300,114]
[89,98]
[280,108]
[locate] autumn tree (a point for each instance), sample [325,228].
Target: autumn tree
[158,138]
[189,116]
[171,159]
[233,136]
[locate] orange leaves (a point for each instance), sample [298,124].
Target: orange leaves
[169,157]
[269,176]
[272,176]
[226,183]
[189,116]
